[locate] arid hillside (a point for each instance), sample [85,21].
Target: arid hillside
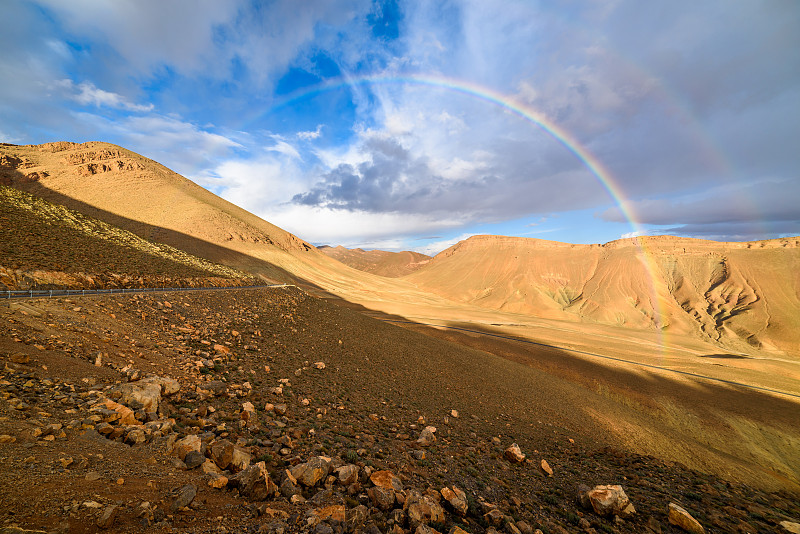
[131,192]
[742,295]
[380,262]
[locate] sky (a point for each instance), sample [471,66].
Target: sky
[410,125]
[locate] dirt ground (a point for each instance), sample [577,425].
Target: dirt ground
[367,406]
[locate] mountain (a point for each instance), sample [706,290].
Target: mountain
[380,262]
[745,295]
[683,350]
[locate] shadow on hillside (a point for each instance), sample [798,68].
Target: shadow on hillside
[682,415]
[158,234]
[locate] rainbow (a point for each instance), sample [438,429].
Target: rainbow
[525,112]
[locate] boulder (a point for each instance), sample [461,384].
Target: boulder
[457,499]
[222,453]
[679,517]
[422,509]
[610,500]
[386,480]
[514,454]
[254,483]
[347,474]
[312,472]
[427,436]
[183,446]
[169,386]
[183,497]
[546,469]
[141,395]
[382,498]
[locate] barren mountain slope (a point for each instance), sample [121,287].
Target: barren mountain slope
[47,246]
[744,295]
[380,262]
[137,194]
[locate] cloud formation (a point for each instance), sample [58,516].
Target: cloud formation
[691,108]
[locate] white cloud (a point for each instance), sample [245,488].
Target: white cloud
[333,227]
[85,93]
[282,147]
[308,136]
[637,233]
[435,247]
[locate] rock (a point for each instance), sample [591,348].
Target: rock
[381,497]
[240,459]
[169,386]
[141,395]
[514,454]
[790,527]
[524,527]
[355,517]
[108,517]
[255,483]
[347,474]
[608,500]
[209,467]
[194,459]
[310,473]
[217,481]
[121,414]
[425,529]
[454,414]
[183,497]
[427,436]
[215,387]
[457,499]
[289,487]
[280,409]
[546,469]
[494,517]
[183,446]
[457,530]
[5,438]
[386,480]
[134,436]
[422,509]
[683,519]
[222,453]
[91,476]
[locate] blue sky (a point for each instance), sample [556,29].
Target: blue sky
[312,115]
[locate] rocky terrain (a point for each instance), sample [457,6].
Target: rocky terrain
[380,262]
[274,411]
[47,246]
[437,402]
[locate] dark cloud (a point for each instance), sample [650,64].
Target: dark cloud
[767,201]
[392,179]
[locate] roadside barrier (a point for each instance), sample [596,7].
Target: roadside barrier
[50,293]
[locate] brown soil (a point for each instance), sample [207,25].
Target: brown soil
[380,262]
[365,406]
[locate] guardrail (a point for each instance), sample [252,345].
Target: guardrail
[50,293]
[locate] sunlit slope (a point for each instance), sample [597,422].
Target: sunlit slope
[129,191]
[744,295]
[137,194]
[380,262]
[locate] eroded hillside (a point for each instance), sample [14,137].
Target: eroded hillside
[380,262]
[743,295]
